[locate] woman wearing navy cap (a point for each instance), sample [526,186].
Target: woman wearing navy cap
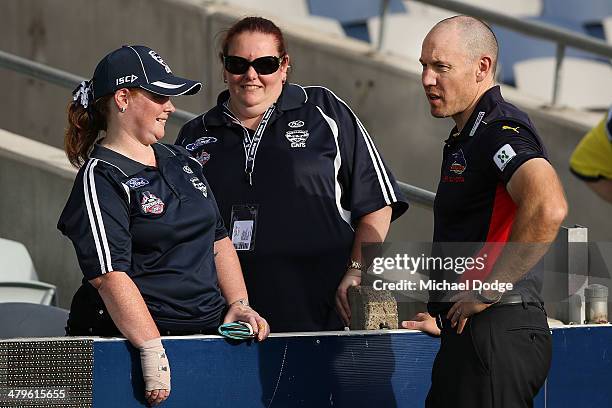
[153,249]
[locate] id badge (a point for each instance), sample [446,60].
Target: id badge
[243,226]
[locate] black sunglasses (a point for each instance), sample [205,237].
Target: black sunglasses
[262,65]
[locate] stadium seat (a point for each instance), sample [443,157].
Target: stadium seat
[290,12]
[582,12]
[404,34]
[321,24]
[16,262]
[607,27]
[31,320]
[351,11]
[425,11]
[280,8]
[516,47]
[18,278]
[353,15]
[27,292]
[585,84]
[517,8]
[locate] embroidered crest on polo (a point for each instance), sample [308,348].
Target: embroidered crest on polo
[159,59]
[295,124]
[151,204]
[203,157]
[458,162]
[187,169]
[201,142]
[199,185]
[136,182]
[297,137]
[503,156]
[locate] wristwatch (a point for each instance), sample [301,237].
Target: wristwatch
[353,264]
[487,301]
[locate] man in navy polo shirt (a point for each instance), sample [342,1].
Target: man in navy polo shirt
[496,185]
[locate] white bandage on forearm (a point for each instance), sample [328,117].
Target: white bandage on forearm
[155,365]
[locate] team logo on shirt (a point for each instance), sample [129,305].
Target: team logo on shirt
[514,129]
[503,156]
[136,182]
[201,142]
[151,204]
[199,185]
[187,169]
[297,137]
[203,157]
[458,163]
[295,124]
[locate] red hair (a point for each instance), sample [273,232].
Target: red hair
[257,25]
[84,128]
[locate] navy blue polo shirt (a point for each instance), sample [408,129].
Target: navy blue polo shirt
[472,204]
[157,224]
[316,172]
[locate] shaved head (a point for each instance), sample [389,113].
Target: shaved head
[459,56]
[477,37]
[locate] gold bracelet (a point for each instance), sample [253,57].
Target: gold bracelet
[243,302]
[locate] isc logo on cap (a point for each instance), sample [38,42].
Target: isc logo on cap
[126,79]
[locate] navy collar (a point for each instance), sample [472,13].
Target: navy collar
[485,105]
[292,96]
[128,166]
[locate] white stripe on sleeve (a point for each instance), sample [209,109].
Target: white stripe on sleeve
[344,214]
[92,222]
[383,177]
[127,192]
[98,213]
[367,138]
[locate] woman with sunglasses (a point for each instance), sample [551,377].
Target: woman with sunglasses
[148,235]
[298,181]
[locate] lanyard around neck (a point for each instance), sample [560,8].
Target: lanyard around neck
[252,143]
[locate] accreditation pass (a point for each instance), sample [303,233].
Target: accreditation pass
[241,235]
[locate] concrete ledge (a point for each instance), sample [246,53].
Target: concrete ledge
[36,154]
[35,180]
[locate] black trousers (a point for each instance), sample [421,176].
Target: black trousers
[500,360]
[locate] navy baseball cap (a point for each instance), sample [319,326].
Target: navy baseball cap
[137,66]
